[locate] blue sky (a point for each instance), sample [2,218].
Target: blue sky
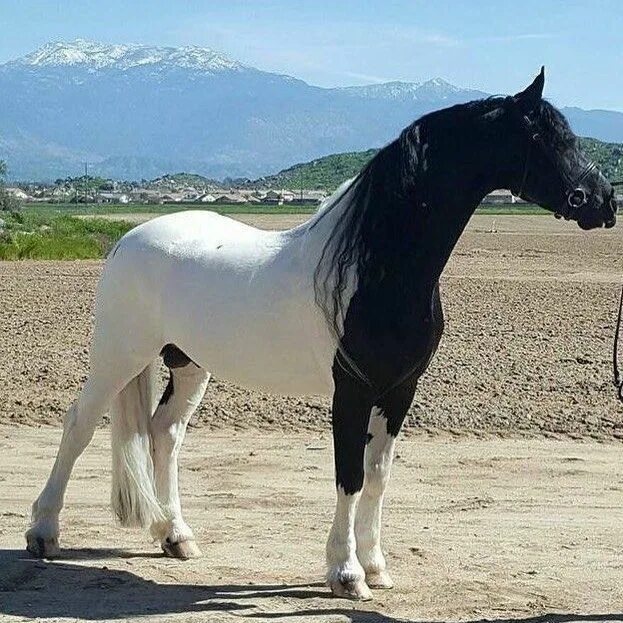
[493,45]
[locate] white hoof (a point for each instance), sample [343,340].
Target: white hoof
[348,586]
[41,547]
[184,550]
[379,579]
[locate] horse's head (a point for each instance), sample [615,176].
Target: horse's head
[551,170]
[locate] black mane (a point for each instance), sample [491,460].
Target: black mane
[372,209]
[380,212]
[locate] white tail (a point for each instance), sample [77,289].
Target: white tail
[134,498]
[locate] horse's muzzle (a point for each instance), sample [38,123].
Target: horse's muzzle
[613,206]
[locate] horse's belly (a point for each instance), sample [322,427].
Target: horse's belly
[279,347]
[278,375]
[272,365]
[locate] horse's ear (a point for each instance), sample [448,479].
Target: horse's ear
[531,96]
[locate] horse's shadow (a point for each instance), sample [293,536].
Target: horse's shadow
[38,589]
[69,588]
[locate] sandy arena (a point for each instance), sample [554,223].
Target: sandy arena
[507,494]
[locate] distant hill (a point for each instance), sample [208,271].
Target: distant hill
[325,173]
[329,172]
[179,180]
[609,156]
[138,112]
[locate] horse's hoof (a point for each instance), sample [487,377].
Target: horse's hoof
[182,549]
[379,579]
[40,547]
[350,589]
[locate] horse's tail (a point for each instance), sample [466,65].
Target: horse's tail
[134,498]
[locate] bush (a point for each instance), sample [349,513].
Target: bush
[8,203]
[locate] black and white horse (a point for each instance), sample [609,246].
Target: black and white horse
[346,304]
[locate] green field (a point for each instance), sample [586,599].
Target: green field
[510,209]
[72,209]
[53,231]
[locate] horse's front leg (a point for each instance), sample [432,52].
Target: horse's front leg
[351,412]
[385,422]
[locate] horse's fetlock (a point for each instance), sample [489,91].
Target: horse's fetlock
[371,559]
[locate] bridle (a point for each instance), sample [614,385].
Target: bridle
[575,195]
[575,198]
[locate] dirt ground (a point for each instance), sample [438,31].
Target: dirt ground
[525,531]
[506,499]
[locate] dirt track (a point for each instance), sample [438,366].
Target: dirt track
[527,350]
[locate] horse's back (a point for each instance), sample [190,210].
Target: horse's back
[196,231]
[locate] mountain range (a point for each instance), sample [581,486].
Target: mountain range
[136,111]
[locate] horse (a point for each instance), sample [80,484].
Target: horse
[346,305]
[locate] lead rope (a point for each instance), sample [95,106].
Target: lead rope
[615,359]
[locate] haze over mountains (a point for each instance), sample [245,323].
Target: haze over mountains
[135,111]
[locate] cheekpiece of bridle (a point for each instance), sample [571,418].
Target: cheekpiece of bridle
[575,195]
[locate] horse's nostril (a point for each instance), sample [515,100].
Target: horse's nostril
[614,205]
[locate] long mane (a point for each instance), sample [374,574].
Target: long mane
[356,247]
[378,210]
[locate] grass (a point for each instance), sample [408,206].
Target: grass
[52,231]
[58,237]
[50,209]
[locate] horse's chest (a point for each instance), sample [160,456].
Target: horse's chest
[391,341]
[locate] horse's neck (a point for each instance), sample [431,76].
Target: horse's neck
[441,231]
[446,210]
[438,220]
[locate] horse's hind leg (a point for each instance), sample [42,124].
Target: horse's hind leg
[100,389]
[79,424]
[186,387]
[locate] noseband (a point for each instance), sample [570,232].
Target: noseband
[575,195]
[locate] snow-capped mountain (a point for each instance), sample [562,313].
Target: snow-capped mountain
[136,111]
[437,90]
[93,55]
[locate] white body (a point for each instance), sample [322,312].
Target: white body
[237,300]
